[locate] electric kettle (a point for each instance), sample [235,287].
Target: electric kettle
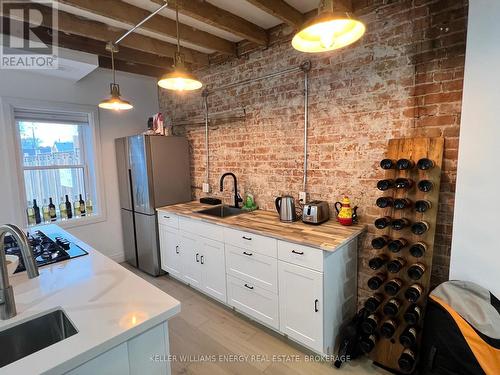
[285,206]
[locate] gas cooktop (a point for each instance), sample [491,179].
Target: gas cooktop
[46,249]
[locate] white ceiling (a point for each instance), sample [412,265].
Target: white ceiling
[239,7]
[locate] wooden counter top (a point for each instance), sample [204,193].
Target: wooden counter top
[327,236]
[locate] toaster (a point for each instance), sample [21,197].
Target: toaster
[315,212]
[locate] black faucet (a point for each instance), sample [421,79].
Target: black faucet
[237,197]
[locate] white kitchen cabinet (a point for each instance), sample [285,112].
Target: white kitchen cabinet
[170,250]
[213,268]
[191,266]
[301,304]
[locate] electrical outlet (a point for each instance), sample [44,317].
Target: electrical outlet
[206,188]
[303,197]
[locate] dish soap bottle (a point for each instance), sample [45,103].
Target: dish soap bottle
[249,203]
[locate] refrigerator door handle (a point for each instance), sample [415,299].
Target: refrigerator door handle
[133,216]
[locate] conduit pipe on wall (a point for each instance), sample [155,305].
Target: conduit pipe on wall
[305,67]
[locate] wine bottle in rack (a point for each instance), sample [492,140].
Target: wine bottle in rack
[413,314]
[418,249]
[384,185]
[408,337]
[380,242]
[425,186]
[420,227]
[425,164]
[370,324]
[392,307]
[414,292]
[376,281]
[396,265]
[416,271]
[402,203]
[388,328]
[367,343]
[383,222]
[400,224]
[384,202]
[378,262]
[397,245]
[405,164]
[403,183]
[373,302]
[387,164]
[393,287]
[407,360]
[422,206]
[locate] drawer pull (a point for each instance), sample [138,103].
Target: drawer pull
[177,249]
[249,254]
[166,217]
[248,286]
[247,238]
[316,309]
[197,257]
[202,259]
[298,252]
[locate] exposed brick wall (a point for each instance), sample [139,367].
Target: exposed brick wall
[403,79]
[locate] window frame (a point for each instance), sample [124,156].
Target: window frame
[91,156]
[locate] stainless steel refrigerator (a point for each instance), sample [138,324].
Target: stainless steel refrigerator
[153,171]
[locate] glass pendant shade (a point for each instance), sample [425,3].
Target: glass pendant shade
[331,29]
[115,102]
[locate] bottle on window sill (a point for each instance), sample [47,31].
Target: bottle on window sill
[89,206]
[46,211]
[397,245]
[36,209]
[418,249]
[396,265]
[30,213]
[82,206]
[384,202]
[62,209]
[76,207]
[69,209]
[388,328]
[402,203]
[52,210]
[405,164]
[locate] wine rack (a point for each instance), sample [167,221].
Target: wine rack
[387,351]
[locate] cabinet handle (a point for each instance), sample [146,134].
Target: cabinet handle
[197,257]
[248,286]
[202,261]
[249,254]
[177,249]
[247,238]
[316,309]
[166,217]
[298,252]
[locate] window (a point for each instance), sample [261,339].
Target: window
[56,156]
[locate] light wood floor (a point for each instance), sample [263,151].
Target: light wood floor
[205,328]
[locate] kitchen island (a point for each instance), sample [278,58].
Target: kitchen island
[121,320]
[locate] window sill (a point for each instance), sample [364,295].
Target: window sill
[78,222]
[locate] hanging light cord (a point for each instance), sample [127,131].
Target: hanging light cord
[113,65]
[177,26]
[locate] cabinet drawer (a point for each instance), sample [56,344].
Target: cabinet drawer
[301,255]
[200,228]
[168,219]
[250,299]
[260,270]
[260,244]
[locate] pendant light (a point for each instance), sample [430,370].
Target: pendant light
[114,102]
[332,28]
[180,79]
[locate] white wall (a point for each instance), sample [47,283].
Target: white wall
[141,91]
[475,254]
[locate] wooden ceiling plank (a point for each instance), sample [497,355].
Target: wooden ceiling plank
[127,13]
[280,9]
[220,18]
[124,66]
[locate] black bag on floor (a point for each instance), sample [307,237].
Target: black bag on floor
[349,338]
[461,332]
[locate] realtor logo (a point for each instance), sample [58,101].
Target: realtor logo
[29,34]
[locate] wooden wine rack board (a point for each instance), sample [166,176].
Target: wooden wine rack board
[387,351]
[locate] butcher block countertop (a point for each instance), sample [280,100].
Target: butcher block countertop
[327,236]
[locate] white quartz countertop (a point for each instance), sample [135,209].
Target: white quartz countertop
[106,303]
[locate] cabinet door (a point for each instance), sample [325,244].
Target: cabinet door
[301,304]
[191,253]
[170,251]
[213,268]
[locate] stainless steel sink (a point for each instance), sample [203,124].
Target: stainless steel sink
[33,335]
[221,211]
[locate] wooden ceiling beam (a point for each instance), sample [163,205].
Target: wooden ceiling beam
[280,9]
[126,13]
[72,24]
[125,66]
[220,18]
